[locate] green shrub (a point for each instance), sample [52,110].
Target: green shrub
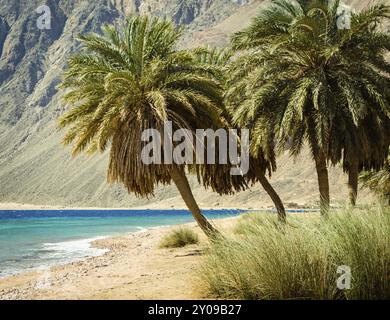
[179,238]
[265,260]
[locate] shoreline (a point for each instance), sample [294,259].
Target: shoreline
[94,241]
[134,267]
[70,260]
[13,206]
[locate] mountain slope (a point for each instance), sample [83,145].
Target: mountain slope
[35,168]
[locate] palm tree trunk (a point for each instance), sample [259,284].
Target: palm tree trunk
[353,174]
[181,182]
[275,198]
[323,183]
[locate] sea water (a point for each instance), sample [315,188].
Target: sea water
[31,240]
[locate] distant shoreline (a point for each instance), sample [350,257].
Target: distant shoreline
[154,206]
[23,206]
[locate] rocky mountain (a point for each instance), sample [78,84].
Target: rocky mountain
[35,168]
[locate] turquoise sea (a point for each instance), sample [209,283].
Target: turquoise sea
[31,240]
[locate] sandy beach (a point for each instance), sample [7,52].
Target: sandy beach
[134,267]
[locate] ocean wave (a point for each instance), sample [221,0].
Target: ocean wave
[74,248]
[52,254]
[141,229]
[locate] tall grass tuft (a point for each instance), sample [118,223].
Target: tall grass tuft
[180,237]
[361,240]
[266,260]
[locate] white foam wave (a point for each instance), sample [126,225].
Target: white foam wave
[54,253]
[141,230]
[73,248]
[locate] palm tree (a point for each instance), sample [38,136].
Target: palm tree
[301,79]
[130,79]
[363,143]
[263,162]
[357,151]
[378,181]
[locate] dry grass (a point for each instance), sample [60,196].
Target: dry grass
[264,260]
[179,238]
